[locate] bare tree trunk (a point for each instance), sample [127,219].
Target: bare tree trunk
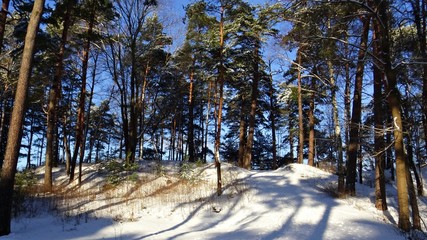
[17,119]
[300,114]
[30,143]
[88,112]
[356,112]
[394,103]
[247,162]
[360,162]
[220,83]
[337,130]
[54,95]
[420,19]
[80,138]
[141,109]
[380,191]
[242,132]
[273,122]
[311,137]
[413,201]
[208,108]
[3,16]
[191,150]
[347,101]
[67,148]
[291,137]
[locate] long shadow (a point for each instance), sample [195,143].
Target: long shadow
[193,213]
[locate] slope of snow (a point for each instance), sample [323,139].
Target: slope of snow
[289,203]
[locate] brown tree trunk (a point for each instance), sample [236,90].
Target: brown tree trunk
[191,149]
[66,147]
[208,109]
[220,83]
[273,122]
[247,162]
[347,99]
[88,112]
[380,191]
[300,114]
[337,131]
[291,138]
[80,128]
[242,132]
[30,143]
[54,95]
[141,109]
[394,103]
[15,130]
[356,112]
[3,16]
[311,137]
[419,11]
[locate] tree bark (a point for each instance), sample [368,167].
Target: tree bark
[273,122]
[80,128]
[379,146]
[311,137]
[15,130]
[247,162]
[356,112]
[337,130]
[394,103]
[220,83]
[191,149]
[242,131]
[3,16]
[300,114]
[419,11]
[54,95]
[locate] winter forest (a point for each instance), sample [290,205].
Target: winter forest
[339,85]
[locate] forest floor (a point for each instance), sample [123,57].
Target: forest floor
[179,201]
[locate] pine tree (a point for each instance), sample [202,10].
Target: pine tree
[13,144]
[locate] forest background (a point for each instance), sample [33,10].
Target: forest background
[338,84]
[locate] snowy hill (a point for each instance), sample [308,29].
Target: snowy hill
[179,202]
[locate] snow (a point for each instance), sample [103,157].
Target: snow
[293,202]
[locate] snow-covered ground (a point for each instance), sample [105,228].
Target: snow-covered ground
[293,202]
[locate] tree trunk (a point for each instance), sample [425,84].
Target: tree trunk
[291,137]
[191,150]
[208,109]
[141,109]
[356,112]
[15,130]
[220,84]
[300,114]
[273,122]
[3,16]
[67,148]
[389,154]
[54,95]
[247,162]
[30,143]
[379,147]
[88,112]
[80,128]
[347,99]
[394,103]
[419,11]
[311,137]
[242,131]
[337,130]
